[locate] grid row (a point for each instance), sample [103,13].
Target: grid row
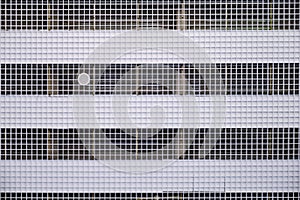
[157,196]
[233,144]
[238,79]
[203,15]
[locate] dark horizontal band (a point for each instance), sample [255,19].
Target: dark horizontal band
[234,144]
[139,14]
[238,78]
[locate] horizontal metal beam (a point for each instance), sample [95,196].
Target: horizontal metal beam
[181,175]
[71,47]
[267,111]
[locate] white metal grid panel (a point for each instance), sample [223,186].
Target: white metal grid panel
[150,99]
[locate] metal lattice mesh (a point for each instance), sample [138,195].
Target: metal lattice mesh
[150,99]
[139,14]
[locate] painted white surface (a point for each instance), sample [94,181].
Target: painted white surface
[222,46]
[241,112]
[193,175]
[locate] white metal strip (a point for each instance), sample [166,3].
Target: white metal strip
[58,112]
[222,46]
[187,175]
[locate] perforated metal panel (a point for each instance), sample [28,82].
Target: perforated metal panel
[150,99]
